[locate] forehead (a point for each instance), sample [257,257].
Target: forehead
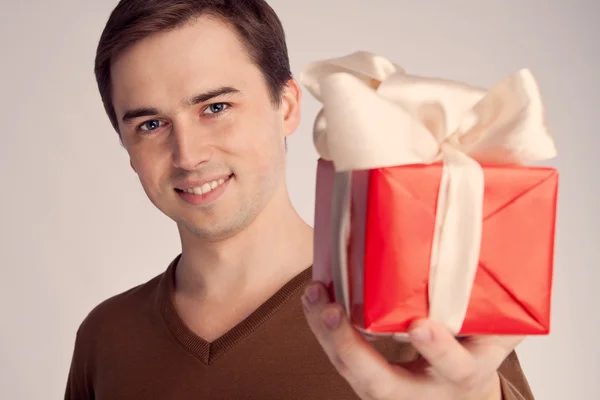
[171,66]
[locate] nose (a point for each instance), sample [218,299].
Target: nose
[190,147]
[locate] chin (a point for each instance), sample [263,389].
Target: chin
[219,227]
[209,232]
[220,220]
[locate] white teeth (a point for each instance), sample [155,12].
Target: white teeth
[205,188]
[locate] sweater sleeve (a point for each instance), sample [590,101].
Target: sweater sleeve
[78,386]
[513,381]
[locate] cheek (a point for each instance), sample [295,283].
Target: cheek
[260,136]
[263,149]
[150,166]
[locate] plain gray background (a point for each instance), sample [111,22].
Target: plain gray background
[77,228]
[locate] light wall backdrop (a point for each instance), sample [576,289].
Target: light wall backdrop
[76,227]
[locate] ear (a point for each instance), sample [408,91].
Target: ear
[291,98]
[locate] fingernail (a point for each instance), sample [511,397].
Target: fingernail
[312,294]
[305,305]
[421,334]
[332,318]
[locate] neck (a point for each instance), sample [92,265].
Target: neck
[275,247]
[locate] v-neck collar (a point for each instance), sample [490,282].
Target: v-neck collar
[206,351]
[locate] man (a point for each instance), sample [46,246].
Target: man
[201,95]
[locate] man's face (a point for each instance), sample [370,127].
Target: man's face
[200,128]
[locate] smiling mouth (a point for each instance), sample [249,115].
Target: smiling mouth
[205,188]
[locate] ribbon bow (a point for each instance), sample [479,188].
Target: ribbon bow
[375,115]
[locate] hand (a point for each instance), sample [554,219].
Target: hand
[449,369]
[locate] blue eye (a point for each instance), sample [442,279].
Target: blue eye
[215,108]
[151,125]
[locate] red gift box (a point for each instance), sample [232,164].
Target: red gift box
[426,206]
[392,219]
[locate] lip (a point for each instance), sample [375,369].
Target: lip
[203,199]
[192,184]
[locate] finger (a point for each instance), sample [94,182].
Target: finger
[491,351]
[367,371]
[448,358]
[401,337]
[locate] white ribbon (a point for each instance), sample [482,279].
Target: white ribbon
[375,115]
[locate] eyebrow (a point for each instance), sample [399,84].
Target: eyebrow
[197,99]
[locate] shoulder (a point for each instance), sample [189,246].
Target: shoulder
[118,312]
[106,329]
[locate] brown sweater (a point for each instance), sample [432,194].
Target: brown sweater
[134,346]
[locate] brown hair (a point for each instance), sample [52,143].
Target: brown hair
[255,22]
